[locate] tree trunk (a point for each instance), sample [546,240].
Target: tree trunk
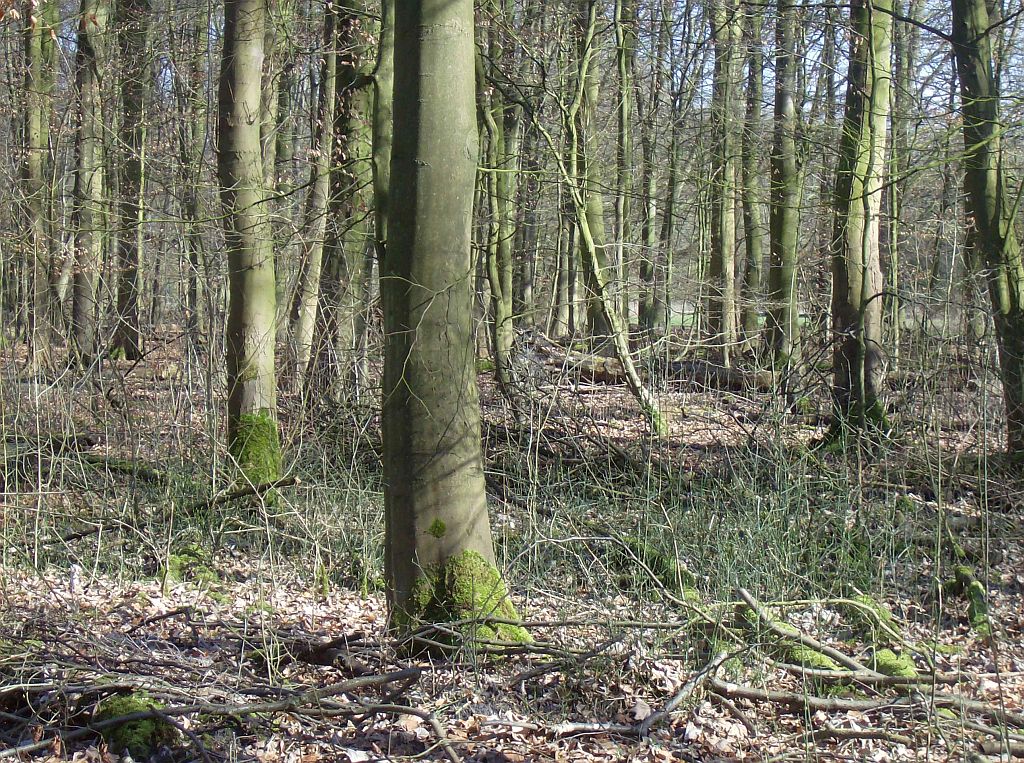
[857,287]
[991,203]
[753,193]
[722,316]
[132,35]
[307,290]
[383,96]
[588,170]
[343,299]
[784,219]
[440,562]
[38,93]
[252,391]
[89,211]
[625,55]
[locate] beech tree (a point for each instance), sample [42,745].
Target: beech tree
[252,387]
[992,207]
[857,286]
[439,555]
[89,198]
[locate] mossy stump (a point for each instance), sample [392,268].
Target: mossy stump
[140,737]
[468,590]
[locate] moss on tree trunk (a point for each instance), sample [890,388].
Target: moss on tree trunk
[256,447]
[464,587]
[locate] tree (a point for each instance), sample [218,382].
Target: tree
[991,205]
[39,51]
[348,241]
[132,35]
[722,317]
[786,191]
[439,554]
[252,389]
[857,286]
[307,291]
[596,269]
[89,206]
[753,195]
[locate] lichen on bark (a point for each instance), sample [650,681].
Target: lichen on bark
[465,587]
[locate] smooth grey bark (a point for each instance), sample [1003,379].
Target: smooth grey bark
[857,286]
[726,122]
[755,229]
[133,18]
[437,530]
[89,207]
[784,217]
[252,386]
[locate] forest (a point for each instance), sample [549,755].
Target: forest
[510,380]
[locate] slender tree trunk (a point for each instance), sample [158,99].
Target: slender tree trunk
[307,291]
[89,212]
[625,55]
[992,205]
[38,93]
[588,170]
[383,86]
[753,193]
[132,33]
[722,314]
[439,554]
[252,390]
[905,44]
[857,287]
[343,298]
[784,220]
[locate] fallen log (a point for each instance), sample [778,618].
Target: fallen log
[599,369]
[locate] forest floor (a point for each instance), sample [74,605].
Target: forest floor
[732,593]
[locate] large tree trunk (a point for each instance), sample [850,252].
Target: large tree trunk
[857,286]
[439,554]
[89,205]
[132,35]
[991,203]
[784,218]
[252,390]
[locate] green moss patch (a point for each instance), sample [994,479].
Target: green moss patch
[887,662]
[190,564]
[256,447]
[142,737]
[784,649]
[967,585]
[465,587]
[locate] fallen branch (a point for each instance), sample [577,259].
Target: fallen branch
[243,492]
[795,635]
